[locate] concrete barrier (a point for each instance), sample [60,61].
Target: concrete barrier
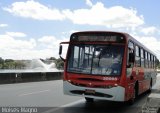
[19,77]
[152,104]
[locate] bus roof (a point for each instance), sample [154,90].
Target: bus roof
[128,37]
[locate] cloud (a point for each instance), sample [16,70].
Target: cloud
[51,42]
[16,34]
[9,53]
[7,41]
[98,14]
[149,30]
[3,25]
[35,10]
[47,39]
[22,48]
[89,3]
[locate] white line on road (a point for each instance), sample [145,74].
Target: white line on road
[25,94]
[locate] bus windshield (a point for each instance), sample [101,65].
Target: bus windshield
[95,59]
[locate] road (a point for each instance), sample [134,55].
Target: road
[49,95]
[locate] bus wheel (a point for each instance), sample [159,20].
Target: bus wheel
[89,99]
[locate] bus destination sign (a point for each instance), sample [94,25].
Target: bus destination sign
[96,38]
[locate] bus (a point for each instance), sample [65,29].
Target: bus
[107,65]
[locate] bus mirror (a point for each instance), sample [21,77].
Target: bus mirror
[60,49]
[60,52]
[131,57]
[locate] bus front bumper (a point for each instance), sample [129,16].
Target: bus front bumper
[113,94]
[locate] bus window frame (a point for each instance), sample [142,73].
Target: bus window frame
[133,49]
[137,62]
[96,43]
[142,58]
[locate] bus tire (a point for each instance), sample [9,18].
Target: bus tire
[89,99]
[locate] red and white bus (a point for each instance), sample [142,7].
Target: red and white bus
[107,65]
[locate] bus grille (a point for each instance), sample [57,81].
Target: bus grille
[91,86]
[90,79]
[98,94]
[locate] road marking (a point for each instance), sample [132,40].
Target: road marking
[65,105]
[25,94]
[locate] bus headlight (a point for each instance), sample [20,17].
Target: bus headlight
[69,81]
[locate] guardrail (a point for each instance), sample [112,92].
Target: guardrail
[19,77]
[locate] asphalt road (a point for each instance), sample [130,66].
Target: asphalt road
[49,97]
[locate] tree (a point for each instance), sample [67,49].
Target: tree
[1,63]
[52,58]
[9,60]
[5,66]
[19,65]
[59,63]
[12,64]
[1,66]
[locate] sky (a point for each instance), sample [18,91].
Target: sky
[31,29]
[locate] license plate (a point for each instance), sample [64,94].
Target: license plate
[90,91]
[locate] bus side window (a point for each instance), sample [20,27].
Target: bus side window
[137,57]
[149,64]
[154,64]
[142,57]
[146,59]
[131,55]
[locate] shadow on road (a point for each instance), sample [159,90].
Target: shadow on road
[102,106]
